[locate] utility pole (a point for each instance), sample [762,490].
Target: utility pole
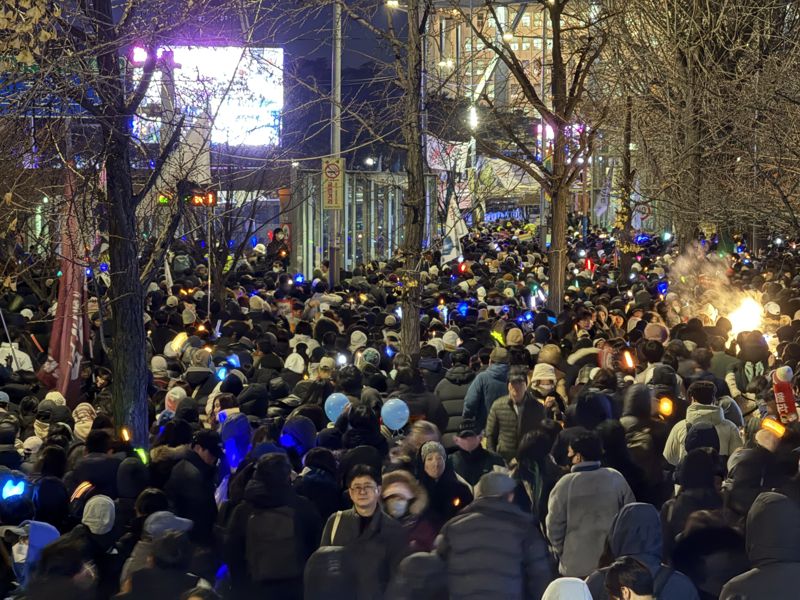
[335,234]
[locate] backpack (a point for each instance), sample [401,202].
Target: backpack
[660,580]
[181,263]
[272,549]
[329,574]
[640,446]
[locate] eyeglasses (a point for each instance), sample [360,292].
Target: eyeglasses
[363,489]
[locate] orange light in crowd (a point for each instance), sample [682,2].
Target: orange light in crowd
[81,490]
[201,327]
[283,253]
[125,434]
[665,407]
[626,356]
[456,502]
[773,426]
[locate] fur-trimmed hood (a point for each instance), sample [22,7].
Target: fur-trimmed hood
[396,479]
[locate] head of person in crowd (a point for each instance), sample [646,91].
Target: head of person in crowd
[629,579]
[364,489]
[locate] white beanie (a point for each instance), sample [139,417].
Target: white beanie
[295,363]
[56,397]
[99,514]
[358,339]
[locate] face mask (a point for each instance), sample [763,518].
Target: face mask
[396,507]
[546,388]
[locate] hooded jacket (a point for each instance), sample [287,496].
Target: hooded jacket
[422,404]
[567,588]
[451,392]
[487,387]
[260,496]
[729,438]
[636,532]
[773,528]
[493,549]
[580,512]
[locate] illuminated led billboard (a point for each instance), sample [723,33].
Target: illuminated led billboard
[239,90]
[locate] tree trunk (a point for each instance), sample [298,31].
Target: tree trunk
[414,214]
[558,249]
[626,192]
[128,361]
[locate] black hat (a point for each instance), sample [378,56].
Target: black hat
[467,428]
[209,440]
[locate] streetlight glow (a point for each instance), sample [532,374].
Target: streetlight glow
[369,161]
[473,117]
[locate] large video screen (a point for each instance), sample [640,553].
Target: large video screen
[238,90]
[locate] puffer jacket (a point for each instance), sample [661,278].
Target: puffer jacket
[505,429]
[451,392]
[493,549]
[773,528]
[636,532]
[487,387]
[580,511]
[729,438]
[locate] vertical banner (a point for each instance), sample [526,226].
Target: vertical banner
[601,206]
[333,183]
[62,369]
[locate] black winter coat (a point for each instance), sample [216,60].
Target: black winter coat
[377,549]
[451,392]
[422,405]
[191,489]
[493,549]
[307,526]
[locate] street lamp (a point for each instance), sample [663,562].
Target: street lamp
[369,161]
[295,164]
[473,118]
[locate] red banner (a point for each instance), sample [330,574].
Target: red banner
[62,369]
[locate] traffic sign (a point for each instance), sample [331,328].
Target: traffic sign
[333,183]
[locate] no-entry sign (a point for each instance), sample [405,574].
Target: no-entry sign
[333,183]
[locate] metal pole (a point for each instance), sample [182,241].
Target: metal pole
[542,199]
[335,235]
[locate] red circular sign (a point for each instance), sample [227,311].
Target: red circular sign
[331,170]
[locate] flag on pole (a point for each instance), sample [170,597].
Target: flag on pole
[454,230]
[61,370]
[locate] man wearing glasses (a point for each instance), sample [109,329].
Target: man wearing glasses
[375,541]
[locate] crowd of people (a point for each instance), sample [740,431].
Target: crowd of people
[633,446]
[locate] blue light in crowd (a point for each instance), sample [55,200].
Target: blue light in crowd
[11,489]
[103,267]
[233,360]
[88,271]
[230,243]
[299,278]
[529,316]
[462,309]
[642,238]
[203,244]
[222,373]
[183,238]
[254,241]
[389,351]
[662,286]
